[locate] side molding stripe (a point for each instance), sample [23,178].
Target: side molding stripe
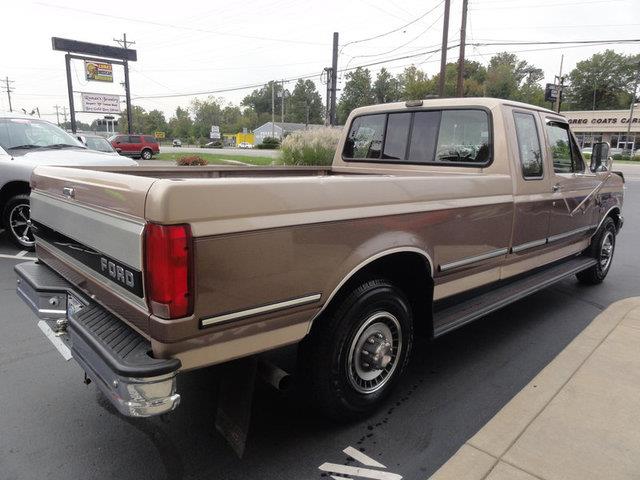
[259,310]
[469,260]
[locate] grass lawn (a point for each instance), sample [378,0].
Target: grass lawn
[219,158]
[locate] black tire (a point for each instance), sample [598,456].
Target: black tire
[15,217]
[602,249]
[329,355]
[146,154]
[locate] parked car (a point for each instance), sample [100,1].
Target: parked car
[26,142]
[433,214]
[137,146]
[97,143]
[214,144]
[245,145]
[177,142]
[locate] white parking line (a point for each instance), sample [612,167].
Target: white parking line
[335,468]
[22,253]
[16,257]
[362,458]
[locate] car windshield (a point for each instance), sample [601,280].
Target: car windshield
[99,144]
[27,133]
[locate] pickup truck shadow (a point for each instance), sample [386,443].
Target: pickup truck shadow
[452,387]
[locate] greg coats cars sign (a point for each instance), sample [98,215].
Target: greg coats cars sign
[100,103]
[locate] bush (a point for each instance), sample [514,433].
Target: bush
[191,161]
[310,147]
[269,143]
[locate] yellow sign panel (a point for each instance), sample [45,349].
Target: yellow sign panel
[159,134]
[98,71]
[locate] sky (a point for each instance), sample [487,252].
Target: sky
[204,46]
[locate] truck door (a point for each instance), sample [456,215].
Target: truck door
[532,195]
[573,208]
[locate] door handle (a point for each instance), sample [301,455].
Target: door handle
[555,188]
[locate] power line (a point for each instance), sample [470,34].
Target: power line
[179,27]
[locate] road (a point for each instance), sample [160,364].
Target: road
[53,426]
[249,152]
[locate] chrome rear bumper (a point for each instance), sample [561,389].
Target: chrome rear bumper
[113,355]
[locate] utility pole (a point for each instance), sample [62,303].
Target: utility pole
[333,119]
[8,89]
[57,115]
[560,85]
[445,41]
[463,34]
[64,113]
[282,105]
[273,110]
[327,116]
[127,87]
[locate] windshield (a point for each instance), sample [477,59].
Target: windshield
[26,133]
[99,144]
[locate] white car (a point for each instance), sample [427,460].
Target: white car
[25,143]
[245,145]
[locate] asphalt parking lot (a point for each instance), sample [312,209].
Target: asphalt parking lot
[53,426]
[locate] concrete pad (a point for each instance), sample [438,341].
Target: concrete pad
[504,471]
[591,429]
[505,427]
[468,463]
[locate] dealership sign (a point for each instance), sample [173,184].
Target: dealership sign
[605,121]
[100,103]
[98,71]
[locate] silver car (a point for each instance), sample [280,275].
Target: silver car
[26,142]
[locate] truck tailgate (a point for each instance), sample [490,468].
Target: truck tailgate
[89,226]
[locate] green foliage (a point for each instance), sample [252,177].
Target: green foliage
[357,92]
[415,84]
[191,161]
[310,147]
[304,105]
[260,99]
[386,88]
[269,143]
[514,79]
[602,82]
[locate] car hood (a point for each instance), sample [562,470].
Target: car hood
[74,157]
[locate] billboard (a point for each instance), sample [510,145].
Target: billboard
[100,103]
[98,71]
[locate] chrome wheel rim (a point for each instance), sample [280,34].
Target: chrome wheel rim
[374,352]
[606,251]
[146,155]
[20,224]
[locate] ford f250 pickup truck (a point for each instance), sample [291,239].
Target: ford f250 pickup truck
[433,214]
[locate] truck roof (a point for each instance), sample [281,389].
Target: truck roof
[487,102]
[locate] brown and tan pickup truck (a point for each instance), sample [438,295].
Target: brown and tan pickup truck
[433,214]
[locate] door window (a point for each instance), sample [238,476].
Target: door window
[564,151]
[134,139]
[528,145]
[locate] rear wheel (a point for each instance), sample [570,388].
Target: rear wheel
[602,248]
[16,218]
[146,154]
[354,357]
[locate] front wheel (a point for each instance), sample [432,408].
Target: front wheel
[354,357]
[602,248]
[16,218]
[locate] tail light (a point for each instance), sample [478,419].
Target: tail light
[168,264]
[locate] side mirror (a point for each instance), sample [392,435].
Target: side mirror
[600,157]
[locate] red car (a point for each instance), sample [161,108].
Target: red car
[142,146]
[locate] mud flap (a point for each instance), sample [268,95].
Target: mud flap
[233,416]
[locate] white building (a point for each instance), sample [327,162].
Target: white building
[279,130]
[606,126]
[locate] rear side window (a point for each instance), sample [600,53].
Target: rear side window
[365,137]
[528,145]
[134,139]
[443,137]
[564,151]
[122,139]
[150,139]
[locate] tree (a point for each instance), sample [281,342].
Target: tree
[304,105]
[205,114]
[154,121]
[475,75]
[507,75]
[415,84]
[260,99]
[603,81]
[138,119]
[386,88]
[180,124]
[357,92]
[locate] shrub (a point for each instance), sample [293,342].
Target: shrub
[269,143]
[310,147]
[192,161]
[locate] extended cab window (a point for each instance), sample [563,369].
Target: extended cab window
[528,145]
[365,137]
[430,136]
[564,151]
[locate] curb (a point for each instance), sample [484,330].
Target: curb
[499,451]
